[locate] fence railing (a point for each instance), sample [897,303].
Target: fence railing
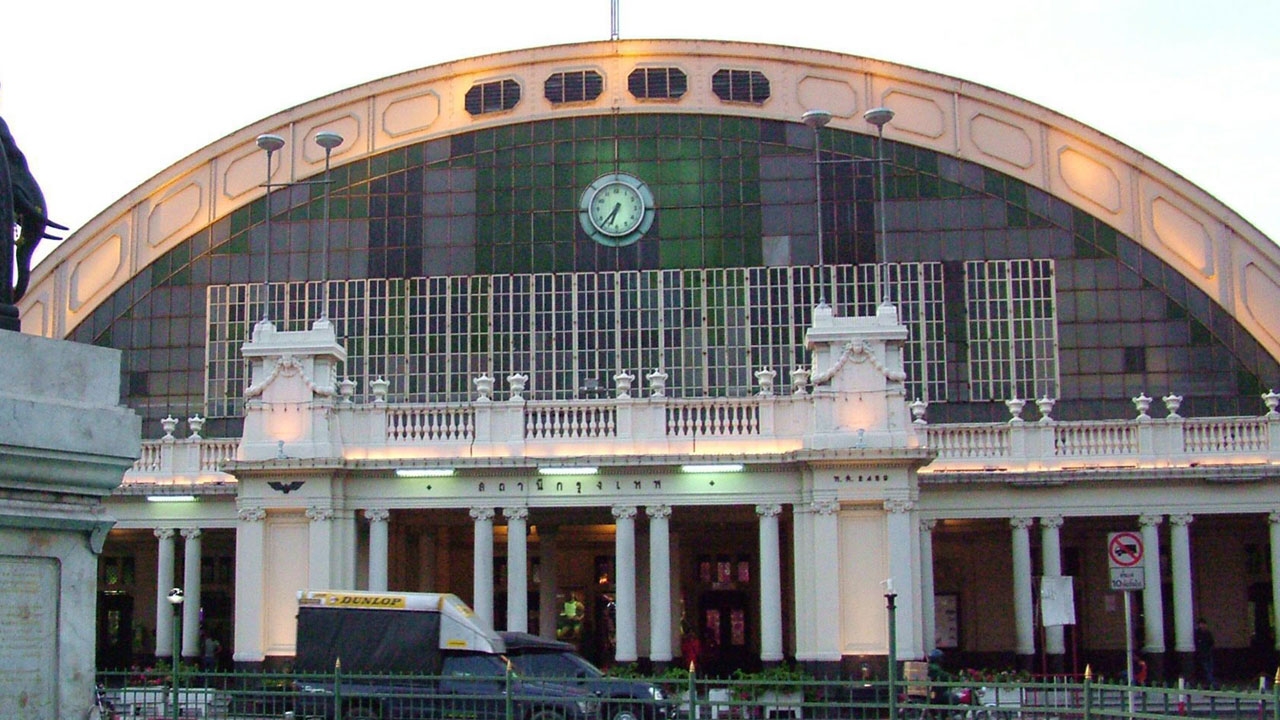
[669,697]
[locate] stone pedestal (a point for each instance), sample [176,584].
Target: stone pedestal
[65,443]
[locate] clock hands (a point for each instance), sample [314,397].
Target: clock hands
[609,220]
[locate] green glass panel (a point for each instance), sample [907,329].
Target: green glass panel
[1106,238]
[359,207]
[1016,192]
[628,149]
[647,125]
[712,225]
[1015,215]
[669,125]
[398,160]
[1083,224]
[484,259]
[378,165]
[564,174]
[541,153]
[483,140]
[749,192]
[542,198]
[712,253]
[543,131]
[669,254]
[993,182]
[928,186]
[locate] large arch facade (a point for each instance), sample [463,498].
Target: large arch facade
[1152,285]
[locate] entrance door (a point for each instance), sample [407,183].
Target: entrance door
[724,618]
[115,631]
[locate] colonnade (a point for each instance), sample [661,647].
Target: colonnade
[817,576]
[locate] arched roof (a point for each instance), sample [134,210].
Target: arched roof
[1208,243]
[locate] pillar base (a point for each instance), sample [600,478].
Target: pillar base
[1056,663]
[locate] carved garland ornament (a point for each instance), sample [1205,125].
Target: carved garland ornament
[289,366]
[858,351]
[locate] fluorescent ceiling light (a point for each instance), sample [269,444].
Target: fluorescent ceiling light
[722,468]
[171,498]
[424,472]
[568,471]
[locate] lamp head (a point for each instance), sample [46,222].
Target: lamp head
[816,118]
[878,116]
[175,597]
[328,139]
[270,143]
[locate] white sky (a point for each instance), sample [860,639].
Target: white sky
[102,96]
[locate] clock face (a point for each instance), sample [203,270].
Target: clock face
[617,209]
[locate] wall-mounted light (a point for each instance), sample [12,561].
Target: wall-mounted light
[568,470]
[171,498]
[424,472]
[720,468]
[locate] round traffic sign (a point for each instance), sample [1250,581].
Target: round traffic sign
[1124,549]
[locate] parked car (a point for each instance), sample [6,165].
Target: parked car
[534,657]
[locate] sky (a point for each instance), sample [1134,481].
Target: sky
[102,96]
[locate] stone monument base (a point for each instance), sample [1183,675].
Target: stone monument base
[65,443]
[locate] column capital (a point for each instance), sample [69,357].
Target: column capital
[163,533]
[928,524]
[251,514]
[190,533]
[1150,520]
[1021,523]
[481,514]
[319,514]
[374,515]
[895,505]
[826,507]
[1052,522]
[624,512]
[658,512]
[1181,519]
[768,510]
[519,512]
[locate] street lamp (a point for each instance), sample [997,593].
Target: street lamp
[880,117]
[818,119]
[175,600]
[327,140]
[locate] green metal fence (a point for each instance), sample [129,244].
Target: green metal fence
[339,696]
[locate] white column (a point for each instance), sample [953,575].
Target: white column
[826,577]
[517,568]
[482,567]
[320,547]
[164,583]
[1051,559]
[549,586]
[902,534]
[625,569]
[378,520]
[1153,594]
[191,593]
[770,584]
[804,562]
[250,586]
[1274,520]
[659,583]
[1180,564]
[1022,608]
[928,605]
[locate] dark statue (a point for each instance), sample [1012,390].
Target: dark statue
[21,207]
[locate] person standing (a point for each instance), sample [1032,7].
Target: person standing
[1204,652]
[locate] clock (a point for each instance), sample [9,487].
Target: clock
[616,209]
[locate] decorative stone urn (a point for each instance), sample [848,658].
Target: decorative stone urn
[764,378]
[517,383]
[484,387]
[1172,403]
[379,387]
[918,408]
[622,384]
[1272,399]
[169,424]
[196,423]
[1142,403]
[799,380]
[1015,405]
[346,390]
[1045,406]
[657,383]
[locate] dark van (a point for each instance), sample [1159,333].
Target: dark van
[621,698]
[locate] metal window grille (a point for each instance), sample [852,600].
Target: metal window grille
[709,329]
[1012,328]
[659,83]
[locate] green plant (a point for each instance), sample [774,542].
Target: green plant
[780,680]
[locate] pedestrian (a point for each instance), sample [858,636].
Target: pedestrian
[1204,652]
[1139,670]
[209,652]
